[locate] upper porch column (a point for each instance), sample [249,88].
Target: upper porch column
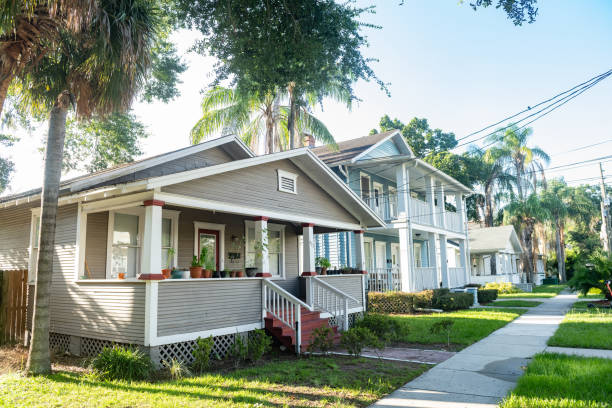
[429,195]
[308,252]
[407,267]
[262,260]
[150,261]
[460,210]
[441,208]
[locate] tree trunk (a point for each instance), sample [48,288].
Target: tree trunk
[5,81]
[558,251]
[562,241]
[488,209]
[519,183]
[39,359]
[270,131]
[527,255]
[291,119]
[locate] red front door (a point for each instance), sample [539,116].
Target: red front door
[210,239]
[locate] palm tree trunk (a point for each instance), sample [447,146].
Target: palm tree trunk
[528,251]
[562,243]
[291,119]
[488,208]
[558,250]
[270,131]
[519,182]
[5,81]
[39,359]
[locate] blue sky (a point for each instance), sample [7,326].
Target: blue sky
[460,69]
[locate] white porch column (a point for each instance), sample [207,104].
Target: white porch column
[430,197]
[433,255]
[460,210]
[308,251]
[407,269]
[360,262]
[444,262]
[441,209]
[262,260]
[463,255]
[150,259]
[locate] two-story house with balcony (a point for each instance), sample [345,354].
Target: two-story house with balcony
[424,243]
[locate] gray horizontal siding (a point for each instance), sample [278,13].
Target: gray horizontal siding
[187,307]
[15,237]
[95,252]
[257,186]
[349,284]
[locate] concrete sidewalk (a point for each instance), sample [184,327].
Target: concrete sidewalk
[483,373]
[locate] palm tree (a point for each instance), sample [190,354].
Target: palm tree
[511,150]
[552,199]
[98,71]
[256,118]
[524,214]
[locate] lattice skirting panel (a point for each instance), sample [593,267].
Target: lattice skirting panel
[93,347]
[182,351]
[352,317]
[59,343]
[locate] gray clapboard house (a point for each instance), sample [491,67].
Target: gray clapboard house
[117,229]
[495,255]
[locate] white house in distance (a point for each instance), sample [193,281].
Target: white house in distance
[494,255]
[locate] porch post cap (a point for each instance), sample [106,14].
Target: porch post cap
[263,275]
[309,274]
[148,203]
[359,231]
[151,276]
[261,218]
[307,224]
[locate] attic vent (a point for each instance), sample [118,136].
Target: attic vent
[287,182]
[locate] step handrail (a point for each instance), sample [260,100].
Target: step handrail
[337,305]
[285,307]
[335,289]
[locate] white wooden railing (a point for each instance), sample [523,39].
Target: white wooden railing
[425,278]
[484,279]
[384,280]
[420,212]
[324,297]
[384,206]
[456,277]
[285,307]
[454,222]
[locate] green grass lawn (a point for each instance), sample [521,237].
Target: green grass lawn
[542,291]
[559,381]
[516,303]
[307,382]
[469,327]
[585,328]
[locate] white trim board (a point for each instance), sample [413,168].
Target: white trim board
[177,338]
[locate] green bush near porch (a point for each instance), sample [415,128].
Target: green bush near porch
[406,303]
[487,295]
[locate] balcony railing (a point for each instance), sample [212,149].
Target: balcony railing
[384,206]
[454,222]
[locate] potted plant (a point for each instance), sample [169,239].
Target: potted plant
[224,273]
[322,265]
[195,271]
[207,262]
[239,274]
[346,270]
[166,272]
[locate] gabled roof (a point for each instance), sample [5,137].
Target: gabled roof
[231,144]
[494,239]
[352,150]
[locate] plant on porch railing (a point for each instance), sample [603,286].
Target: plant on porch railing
[322,264]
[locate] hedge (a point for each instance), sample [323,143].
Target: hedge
[487,295]
[405,303]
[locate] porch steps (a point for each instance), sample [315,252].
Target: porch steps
[310,321]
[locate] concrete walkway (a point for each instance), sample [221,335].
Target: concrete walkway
[482,374]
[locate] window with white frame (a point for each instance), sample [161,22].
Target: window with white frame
[287,182]
[125,233]
[276,247]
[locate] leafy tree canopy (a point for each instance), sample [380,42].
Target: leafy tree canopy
[102,143]
[6,166]
[519,11]
[420,137]
[263,46]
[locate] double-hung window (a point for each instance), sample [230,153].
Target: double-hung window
[276,247]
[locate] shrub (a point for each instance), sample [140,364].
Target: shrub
[592,275]
[386,328]
[322,340]
[201,353]
[259,344]
[503,287]
[424,299]
[239,351]
[122,363]
[391,302]
[355,339]
[443,326]
[487,295]
[455,301]
[177,369]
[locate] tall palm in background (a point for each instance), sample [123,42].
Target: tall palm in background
[524,214]
[510,148]
[257,118]
[552,199]
[98,71]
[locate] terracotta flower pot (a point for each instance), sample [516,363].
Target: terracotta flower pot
[239,274]
[207,273]
[166,273]
[323,271]
[195,272]
[232,274]
[121,275]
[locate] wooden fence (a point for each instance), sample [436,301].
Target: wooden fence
[13,305]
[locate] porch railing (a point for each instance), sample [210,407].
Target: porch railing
[425,278]
[285,307]
[483,279]
[384,206]
[454,222]
[384,280]
[456,277]
[324,297]
[420,212]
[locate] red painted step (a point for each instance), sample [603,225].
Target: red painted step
[309,321]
